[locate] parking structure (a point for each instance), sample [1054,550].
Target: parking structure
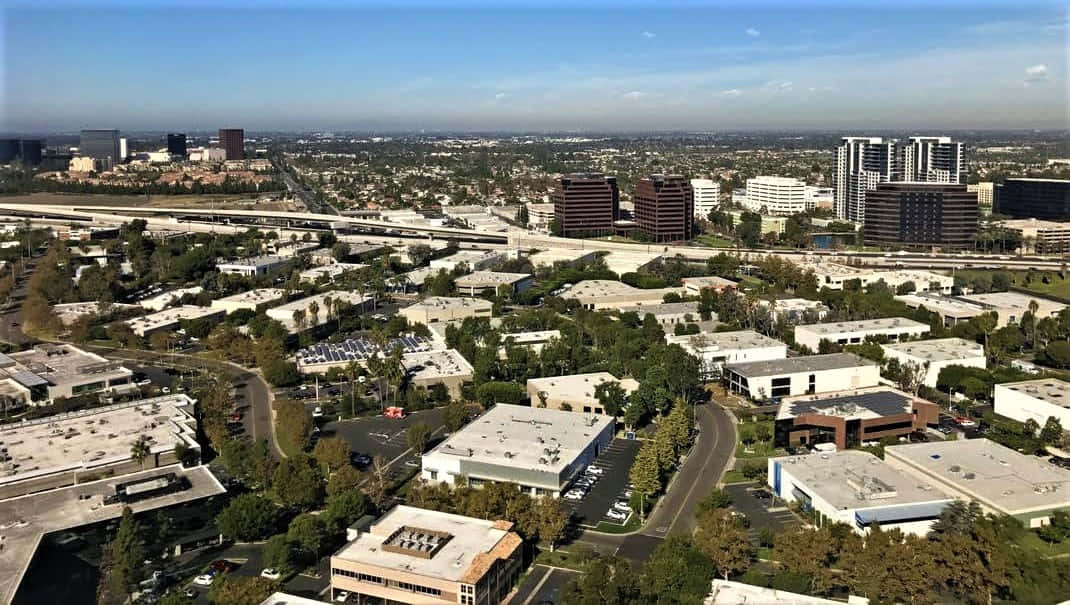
[615,463]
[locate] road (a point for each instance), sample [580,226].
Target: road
[308,197]
[675,512]
[11,318]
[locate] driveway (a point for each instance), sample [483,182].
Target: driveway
[542,586]
[760,512]
[616,461]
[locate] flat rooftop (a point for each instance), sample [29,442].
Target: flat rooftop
[93,438]
[469,256]
[442,303]
[429,365]
[357,349]
[944,305]
[69,312]
[302,304]
[579,386]
[728,341]
[850,479]
[168,317]
[677,308]
[253,261]
[160,301]
[549,257]
[602,288]
[1049,390]
[256,297]
[1033,223]
[863,325]
[998,476]
[488,279]
[524,338]
[456,543]
[872,402]
[709,281]
[1016,301]
[522,437]
[940,349]
[64,364]
[838,270]
[806,363]
[78,505]
[738,593]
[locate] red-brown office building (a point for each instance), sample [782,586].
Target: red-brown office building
[665,207]
[232,140]
[586,204]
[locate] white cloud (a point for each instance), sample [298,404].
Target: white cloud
[778,85]
[732,92]
[753,33]
[648,35]
[635,94]
[1036,73]
[500,96]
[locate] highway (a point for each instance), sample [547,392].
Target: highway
[307,197]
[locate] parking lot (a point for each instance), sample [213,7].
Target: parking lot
[542,586]
[615,463]
[757,504]
[387,437]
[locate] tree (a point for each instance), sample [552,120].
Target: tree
[716,499]
[280,553]
[454,415]
[677,572]
[121,563]
[1052,432]
[417,436]
[248,517]
[911,377]
[551,519]
[1057,354]
[344,508]
[722,537]
[297,483]
[810,552]
[140,450]
[294,423]
[239,590]
[611,396]
[342,480]
[645,473]
[332,454]
[309,532]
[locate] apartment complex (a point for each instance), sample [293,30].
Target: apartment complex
[417,556]
[775,195]
[586,204]
[707,194]
[920,214]
[1033,198]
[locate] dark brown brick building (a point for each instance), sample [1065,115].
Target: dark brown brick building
[920,215]
[665,207]
[586,204]
[232,140]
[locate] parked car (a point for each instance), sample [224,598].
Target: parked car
[318,412]
[622,506]
[204,580]
[574,495]
[594,470]
[944,429]
[341,597]
[617,515]
[627,493]
[222,566]
[270,573]
[965,422]
[190,593]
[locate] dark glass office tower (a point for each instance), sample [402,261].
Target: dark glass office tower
[905,214]
[1033,198]
[232,140]
[176,144]
[102,145]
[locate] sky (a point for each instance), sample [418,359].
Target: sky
[516,66]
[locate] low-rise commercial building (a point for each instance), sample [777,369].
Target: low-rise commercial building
[253,300]
[796,309]
[312,311]
[833,276]
[50,371]
[171,319]
[1035,400]
[474,260]
[424,557]
[67,449]
[714,349]
[254,266]
[808,374]
[695,285]
[1002,480]
[540,449]
[447,367]
[769,224]
[1010,306]
[68,313]
[667,314]
[549,258]
[1040,237]
[320,357]
[434,309]
[852,417]
[158,302]
[950,309]
[854,332]
[533,341]
[491,282]
[574,393]
[597,294]
[540,216]
[935,355]
[725,592]
[857,489]
[328,273]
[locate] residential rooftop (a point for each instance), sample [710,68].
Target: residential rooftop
[429,543]
[851,404]
[92,438]
[429,365]
[940,349]
[863,325]
[1049,390]
[522,437]
[805,363]
[997,476]
[850,479]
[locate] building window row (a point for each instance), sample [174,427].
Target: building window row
[356,575]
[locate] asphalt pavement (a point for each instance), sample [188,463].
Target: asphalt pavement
[542,586]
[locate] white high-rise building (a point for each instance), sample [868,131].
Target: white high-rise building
[124,151]
[706,195]
[775,195]
[934,160]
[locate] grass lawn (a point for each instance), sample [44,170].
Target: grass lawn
[1031,541]
[734,476]
[633,523]
[1055,286]
[560,558]
[714,241]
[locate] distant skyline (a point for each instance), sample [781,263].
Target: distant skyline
[514,67]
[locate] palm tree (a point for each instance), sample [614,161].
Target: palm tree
[299,318]
[1033,308]
[314,311]
[140,450]
[328,303]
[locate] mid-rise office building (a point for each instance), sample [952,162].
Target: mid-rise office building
[920,214]
[232,141]
[176,144]
[707,194]
[586,204]
[1034,198]
[665,207]
[26,151]
[101,145]
[984,193]
[775,195]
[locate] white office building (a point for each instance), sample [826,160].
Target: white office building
[855,332]
[539,449]
[808,374]
[935,355]
[1035,400]
[857,489]
[714,349]
[775,195]
[707,193]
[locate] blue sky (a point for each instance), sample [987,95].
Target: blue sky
[519,66]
